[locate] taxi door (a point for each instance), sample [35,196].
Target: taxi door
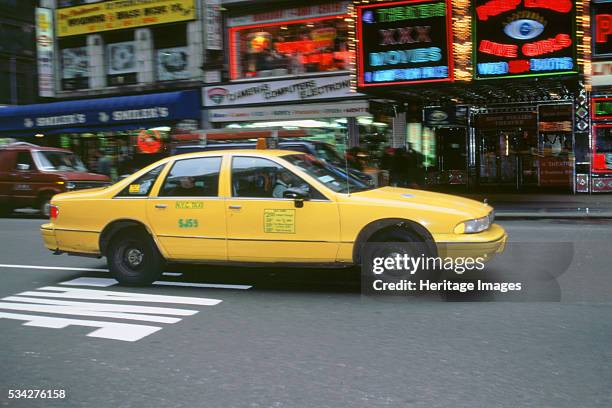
[187,215]
[264,227]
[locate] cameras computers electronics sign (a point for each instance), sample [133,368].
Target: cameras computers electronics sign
[121,14]
[601,21]
[404,42]
[301,90]
[516,38]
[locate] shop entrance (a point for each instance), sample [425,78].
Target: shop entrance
[507,147]
[506,158]
[527,150]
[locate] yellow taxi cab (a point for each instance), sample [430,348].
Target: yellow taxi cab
[256,206]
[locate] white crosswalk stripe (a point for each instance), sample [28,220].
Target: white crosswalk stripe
[76,301]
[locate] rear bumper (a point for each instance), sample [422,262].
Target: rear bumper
[48,235]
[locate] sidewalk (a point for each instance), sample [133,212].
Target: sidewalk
[529,205]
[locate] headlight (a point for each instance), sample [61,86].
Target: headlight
[475,226]
[70,186]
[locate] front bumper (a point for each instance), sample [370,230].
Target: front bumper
[48,235]
[485,244]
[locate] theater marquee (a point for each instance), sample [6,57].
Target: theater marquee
[404,42]
[524,38]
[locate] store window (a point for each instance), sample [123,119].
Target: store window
[555,159]
[121,62]
[74,63]
[289,48]
[171,52]
[17,39]
[602,156]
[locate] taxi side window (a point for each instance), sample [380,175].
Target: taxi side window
[197,177]
[254,177]
[141,187]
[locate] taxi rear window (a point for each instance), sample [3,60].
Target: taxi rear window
[142,186]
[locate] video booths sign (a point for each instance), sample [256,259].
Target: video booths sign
[524,38]
[404,42]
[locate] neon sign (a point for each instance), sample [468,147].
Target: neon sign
[547,46]
[603,24]
[502,50]
[602,30]
[405,41]
[495,7]
[561,6]
[523,29]
[524,38]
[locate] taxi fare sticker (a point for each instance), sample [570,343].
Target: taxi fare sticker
[189,205]
[279,221]
[134,188]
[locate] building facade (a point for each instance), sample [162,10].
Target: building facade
[489,94]
[118,72]
[17,52]
[601,107]
[288,66]
[503,87]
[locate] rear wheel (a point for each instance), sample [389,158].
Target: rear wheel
[133,258]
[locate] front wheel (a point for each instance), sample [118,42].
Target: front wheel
[5,210]
[404,244]
[134,260]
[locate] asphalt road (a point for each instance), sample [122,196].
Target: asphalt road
[308,338]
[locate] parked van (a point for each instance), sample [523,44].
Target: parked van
[30,175]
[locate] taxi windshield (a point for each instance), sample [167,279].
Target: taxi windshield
[332,177]
[59,161]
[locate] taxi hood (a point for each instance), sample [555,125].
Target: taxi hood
[418,198]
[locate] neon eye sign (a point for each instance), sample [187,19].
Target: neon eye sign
[523,29]
[404,42]
[524,38]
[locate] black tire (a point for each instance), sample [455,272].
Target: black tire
[133,258]
[403,241]
[5,210]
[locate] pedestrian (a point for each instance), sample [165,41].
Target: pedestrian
[103,163]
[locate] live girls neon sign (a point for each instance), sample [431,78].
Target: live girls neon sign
[524,38]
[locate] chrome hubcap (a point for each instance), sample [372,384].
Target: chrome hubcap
[134,257]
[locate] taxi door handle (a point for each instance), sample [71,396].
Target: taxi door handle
[161,206]
[235,207]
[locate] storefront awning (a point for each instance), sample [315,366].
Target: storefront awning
[90,115]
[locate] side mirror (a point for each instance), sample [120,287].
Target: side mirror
[23,167]
[296,195]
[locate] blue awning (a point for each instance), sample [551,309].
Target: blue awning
[89,115]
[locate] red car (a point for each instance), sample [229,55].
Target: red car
[30,175]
